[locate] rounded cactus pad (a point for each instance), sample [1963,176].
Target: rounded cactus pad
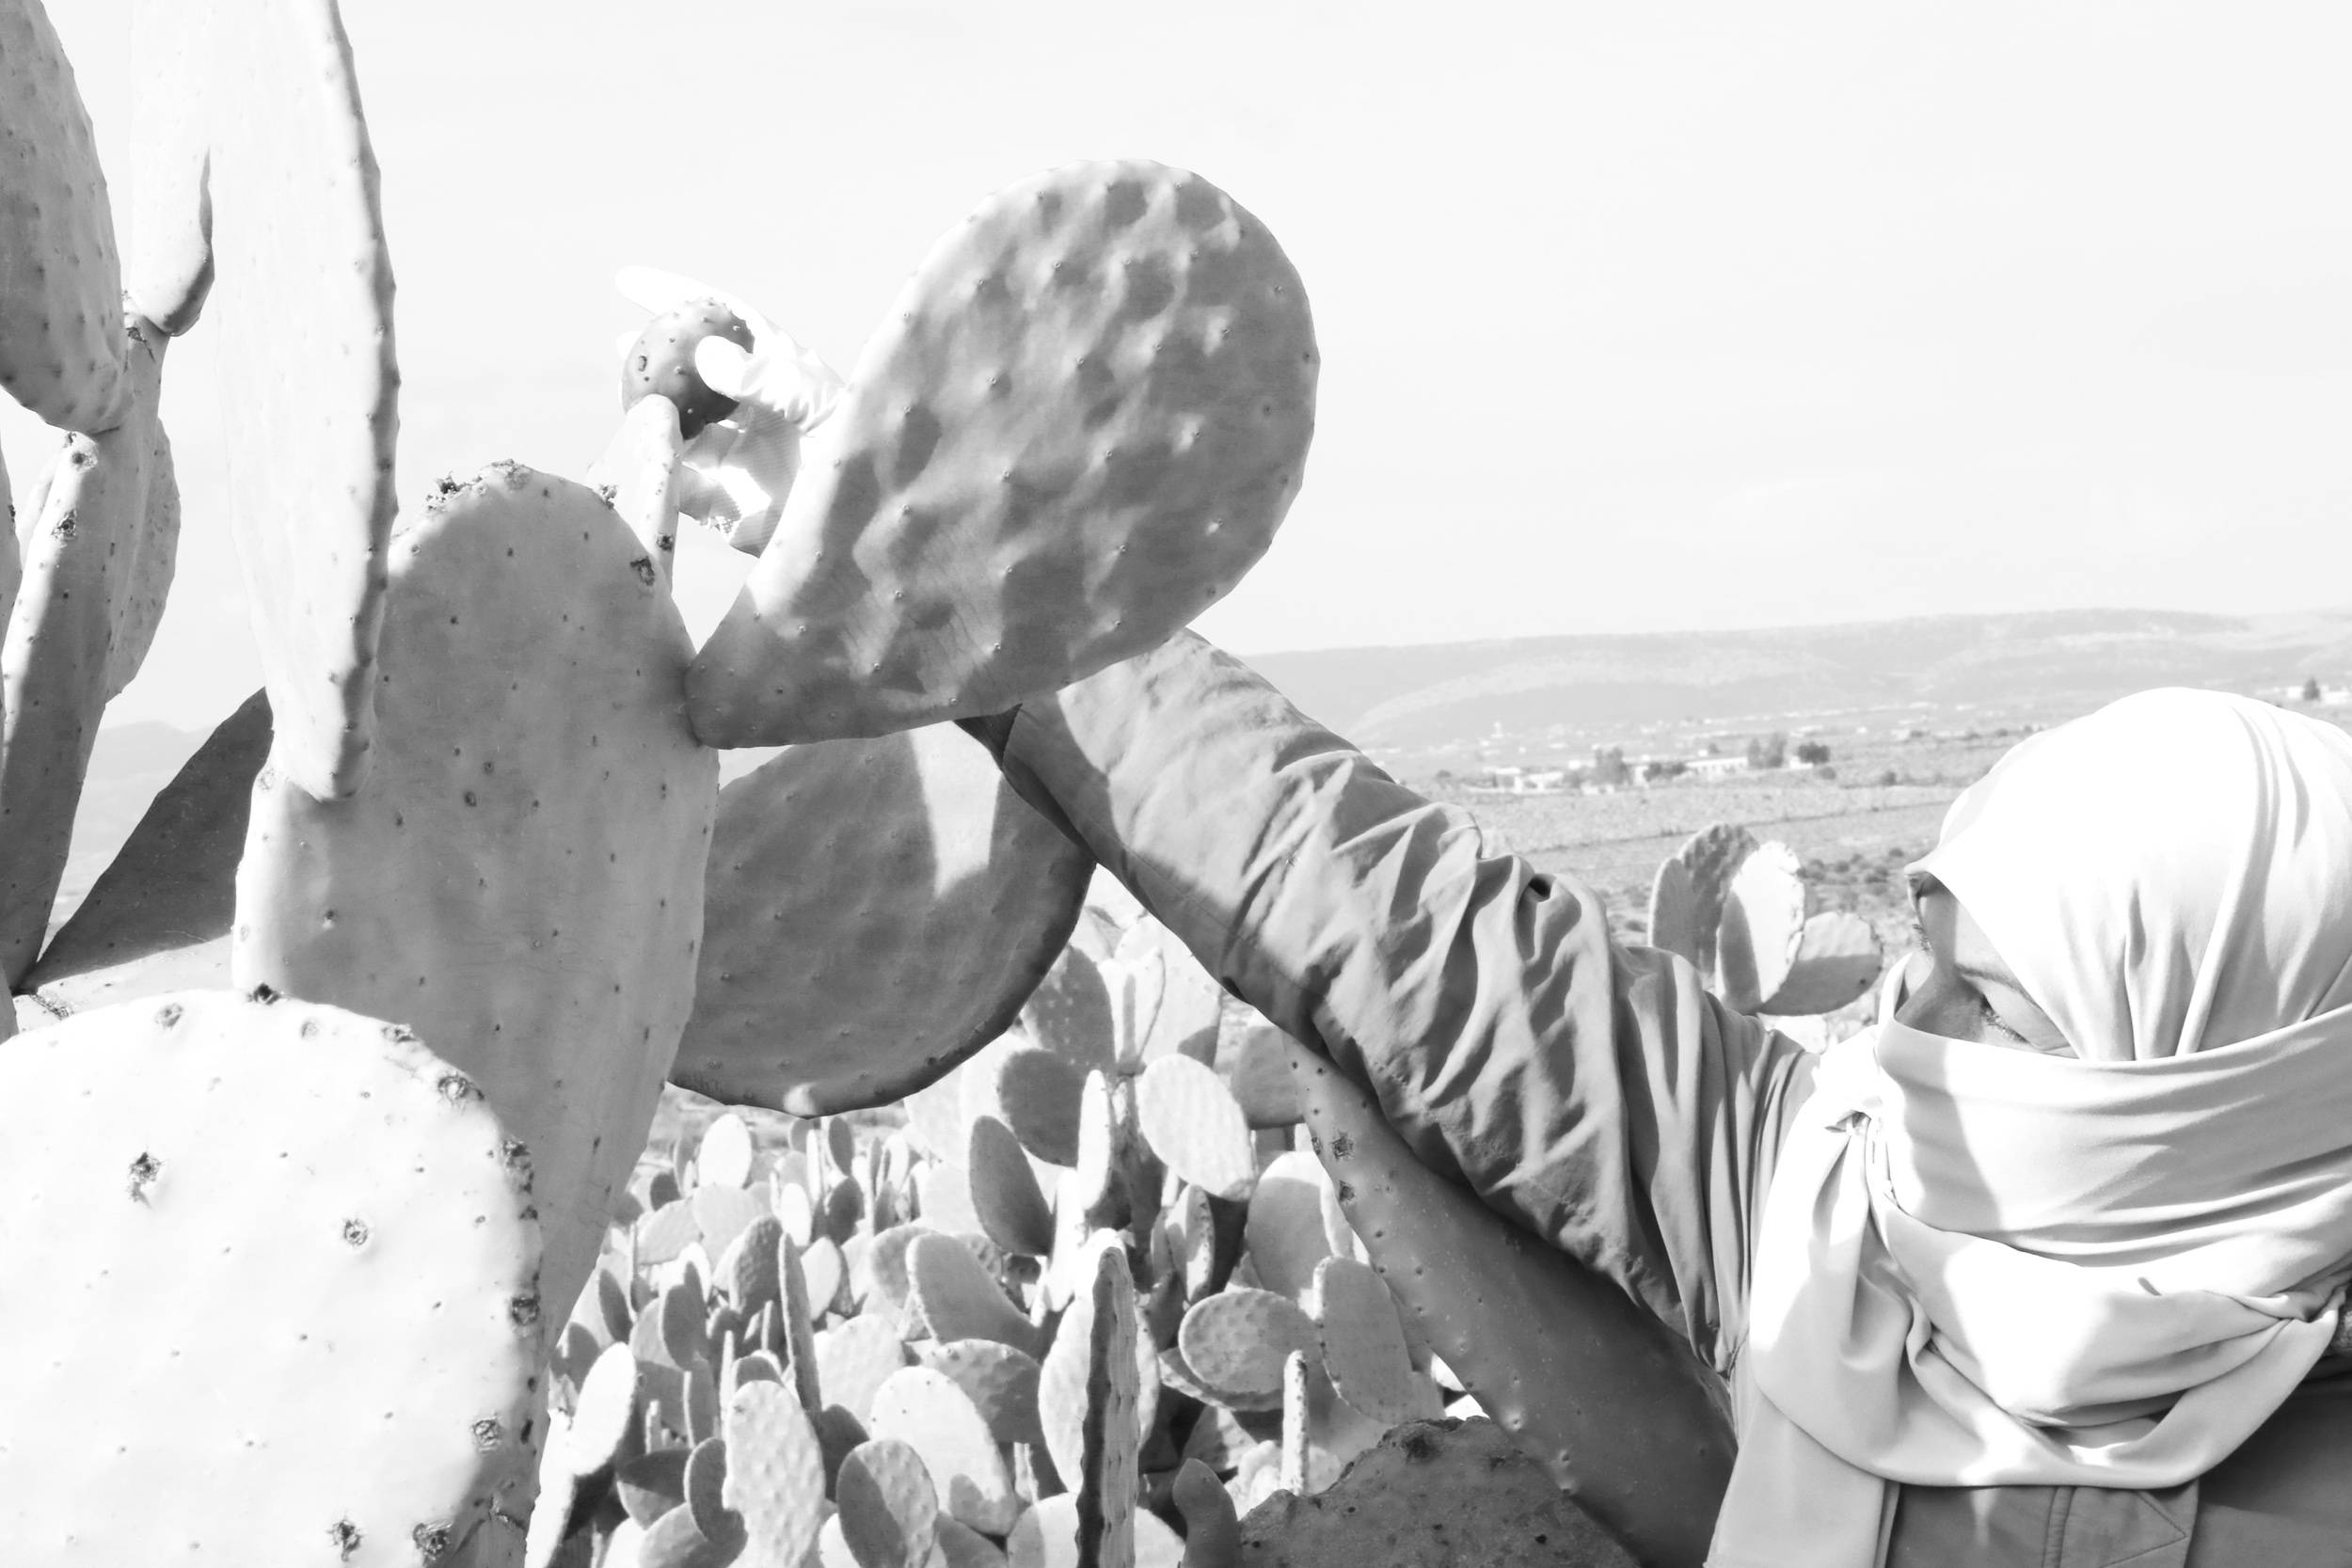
[61,338]
[877,911]
[314,1340]
[308,381]
[521,876]
[1080,425]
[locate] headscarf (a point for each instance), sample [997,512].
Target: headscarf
[1981,1266]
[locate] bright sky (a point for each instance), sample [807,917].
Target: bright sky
[1633,317]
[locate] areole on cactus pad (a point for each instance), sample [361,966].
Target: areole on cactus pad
[1079,426]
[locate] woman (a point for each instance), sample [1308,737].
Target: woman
[2049,1270]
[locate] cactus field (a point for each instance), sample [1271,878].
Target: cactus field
[455,1130]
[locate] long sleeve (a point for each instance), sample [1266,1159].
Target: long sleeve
[1590,1090]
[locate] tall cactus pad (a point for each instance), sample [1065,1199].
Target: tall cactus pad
[157,918]
[1763,927]
[879,910]
[307,375]
[98,562]
[167,255]
[1592,1387]
[314,1342]
[61,337]
[1080,425]
[1839,959]
[521,877]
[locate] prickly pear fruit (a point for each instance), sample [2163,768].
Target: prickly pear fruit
[661,363]
[384,1340]
[521,875]
[98,562]
[157,919]
[167,254]
[1763,927]
[1080,425]
[304,301]
[893,900]
[1540,1341]
[61,338]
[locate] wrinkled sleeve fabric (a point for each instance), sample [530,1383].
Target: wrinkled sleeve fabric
[1591,1091]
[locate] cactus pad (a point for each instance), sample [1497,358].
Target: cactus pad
[775,1476]
[304,301]
[1837,959]
[1431,1494]
[521,876]
[1555,1352]
[929,1412]
[1080,425]
[61,338]
[1000,1381]
[1763,927]
[879,909]
[1004,1195]
[1363,1345]
[1194,1124]
[167,254]
[956,1298]
[384,1340]
[889,1505]
[98,561]
[1237,1341]
[157,918]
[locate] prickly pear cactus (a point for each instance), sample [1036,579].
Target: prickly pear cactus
[1738,912]
[521,876]
[878,912]
[98,564]
[61,337]
[303,305]
[1078,427]
[167,252]
[321,1332]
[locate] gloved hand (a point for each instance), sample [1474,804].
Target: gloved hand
[735,474]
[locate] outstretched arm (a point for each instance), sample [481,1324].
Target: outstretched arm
[1593,1091]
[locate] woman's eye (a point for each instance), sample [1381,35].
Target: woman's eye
[1984,1006]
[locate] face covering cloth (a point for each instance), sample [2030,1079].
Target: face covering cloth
[1984,1266]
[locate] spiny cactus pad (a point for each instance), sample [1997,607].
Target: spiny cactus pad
[521,876]
[167,253]
[157,919]
[61,340]
[878,912]
[308,385]
[1080,425]
[1540,1341]
[98,561]
[356,1267]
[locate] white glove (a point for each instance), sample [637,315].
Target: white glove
[736,472]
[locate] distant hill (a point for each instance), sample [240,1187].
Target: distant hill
[1445,694]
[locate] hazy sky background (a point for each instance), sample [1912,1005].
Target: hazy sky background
[1633,317]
